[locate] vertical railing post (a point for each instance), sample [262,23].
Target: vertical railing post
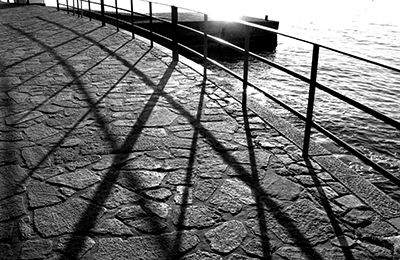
[67,7]
[132,25]
[77,7]
[90,11]
[116,14]
[174,20]
[246,60]
[73,7]
[205,47]
[151,23]
[103,18]
[311,98]
[58,5]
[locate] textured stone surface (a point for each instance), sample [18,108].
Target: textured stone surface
[74,214]
[202,255]
[12,207]
[205,188]
[106,121]
[75,245]
[359,216]
[134,212]
[12,178]
[183,195]
[377,229]
[40,132]
[110,196]
[36,157]
[36,249]
[364,189]
[79,179]
[232,195]
[146,247]
[42,194]
[25,228]
[22,117]
[196,216]
[6,230]
[149,225]
[161,117]
[6,252]
[112,226]
[227,236]
[350,202]
[240,257]
[256,247]
[280,187]
[137,180]
[159,194]
[160,209]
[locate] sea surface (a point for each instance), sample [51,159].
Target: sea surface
[368,28]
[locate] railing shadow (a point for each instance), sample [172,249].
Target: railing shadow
[344,246]
[247,177]
[88,218]
[9,171]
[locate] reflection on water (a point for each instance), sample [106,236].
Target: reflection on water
[370,29]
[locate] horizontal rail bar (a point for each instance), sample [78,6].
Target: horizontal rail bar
[360,106]
[225,43]
[355,152]
[279,67]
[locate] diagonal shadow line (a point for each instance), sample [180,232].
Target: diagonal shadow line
[104,48]
[104,189]
[93,104]
[62,62]
[7,148]
[281,217]
[328,209]
[190,168]
[30,36]
[89,217]
[66,58]
[255,182]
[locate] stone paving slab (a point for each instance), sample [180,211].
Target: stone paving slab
[110,150]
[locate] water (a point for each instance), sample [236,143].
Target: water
[367,28]
[362,27]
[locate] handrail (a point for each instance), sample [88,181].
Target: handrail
[312,81]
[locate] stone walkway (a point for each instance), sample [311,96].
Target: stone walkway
[110,150]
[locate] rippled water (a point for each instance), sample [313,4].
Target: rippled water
[370,28]
[367,28]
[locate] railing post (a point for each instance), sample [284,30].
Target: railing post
[132,25]
[73,7]
[174,18]
[246,60]
[311,98]
[151,23]
[103,18]
[58,5]
[116,14]
[90,11]
[205,48]
[67,7]
[77,7]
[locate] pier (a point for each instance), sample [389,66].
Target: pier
[113,147]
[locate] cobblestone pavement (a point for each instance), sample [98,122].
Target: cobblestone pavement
[110,150]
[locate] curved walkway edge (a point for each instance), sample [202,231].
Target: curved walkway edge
[111,150]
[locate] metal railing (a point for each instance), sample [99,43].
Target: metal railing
[176,46]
